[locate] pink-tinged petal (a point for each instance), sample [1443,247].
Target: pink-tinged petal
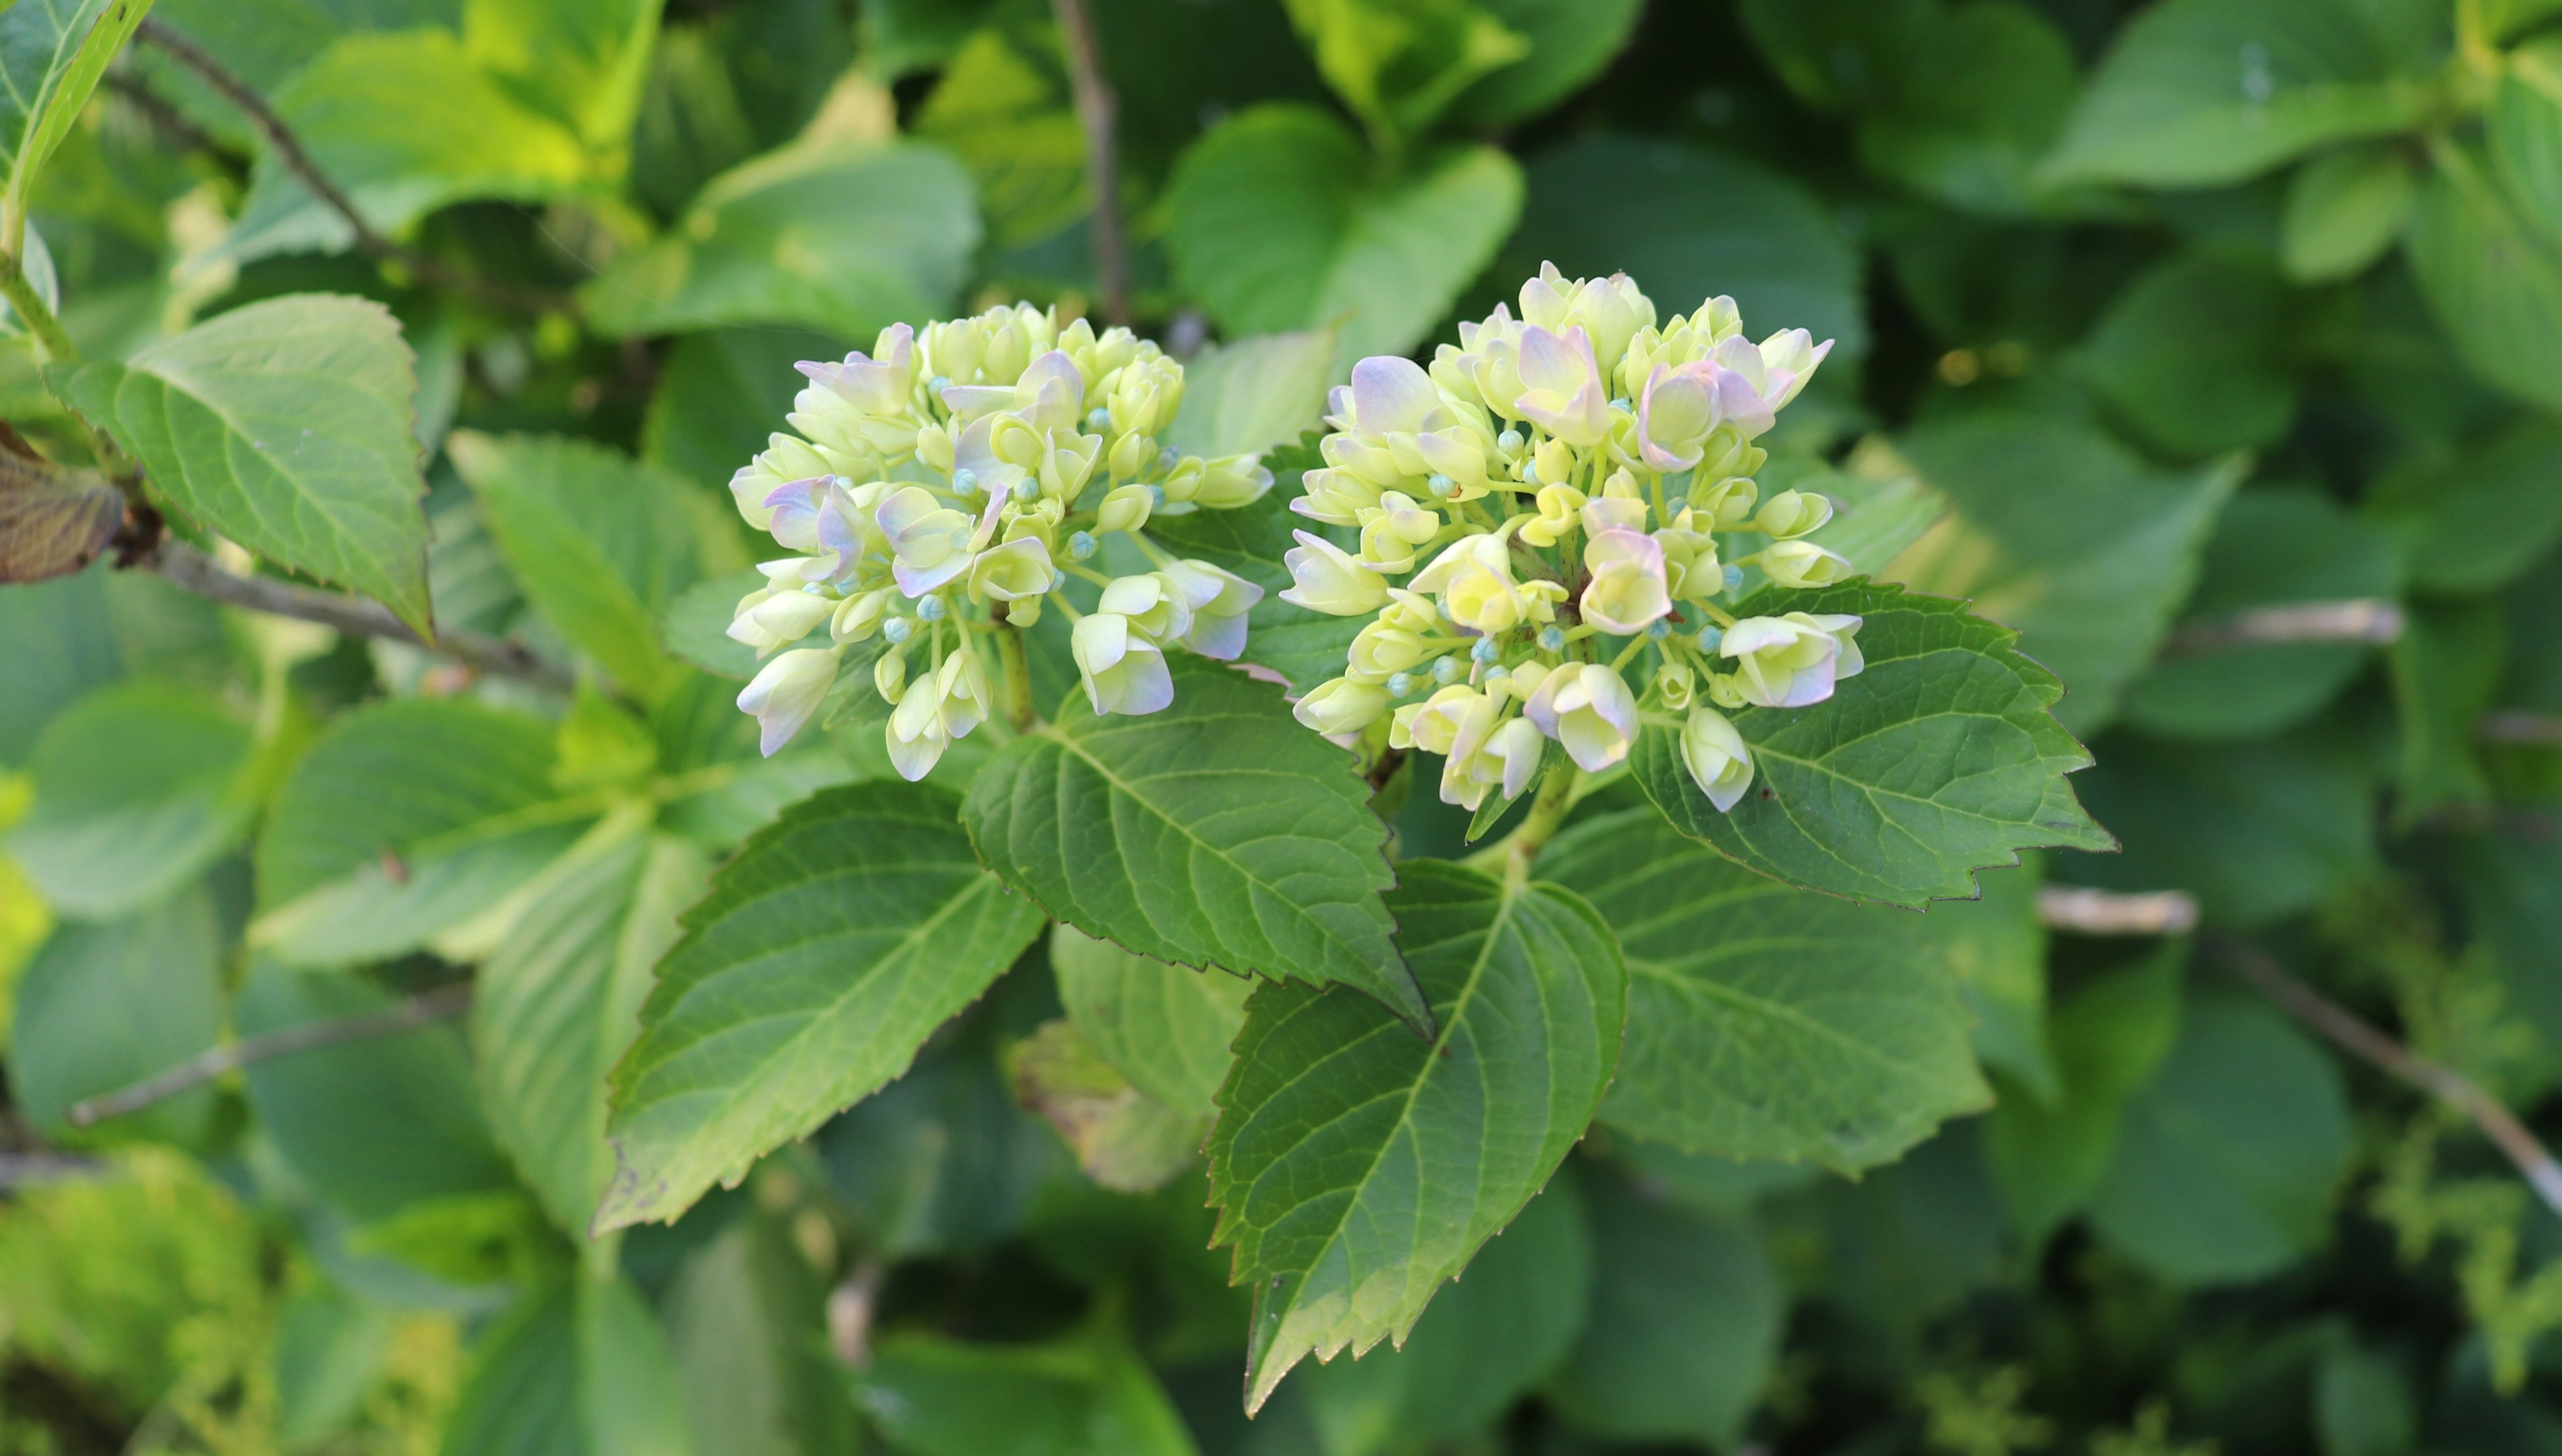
[1389,393]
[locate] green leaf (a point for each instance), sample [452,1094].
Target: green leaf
[1252,394]
[2526,133]
[2229,1161]
[696,625]
[1002,107]
[1938,760]
[1089,1395]
[61,644]
[2447,668]
[561,1000]
[1216,834]
[2479,521]
[1304,648]
[848,237]
[373,1127]
[2195,356]
[582,62]
[577,1367]
[397,163]
[2495,284]
[2048,1156]
[2510,886]
[1571,42]
[2197,93]
[287,425]
[2344,210]
[139,788]
[2258,830]
[1482,1343]
[1398,63]
[2068,537]
[601,542]
[52,54]
[1767,1022]
[720,396]
[1684,1327]
[1689,223]
[403,822]
[2271,546]
[1165,1028]
[1124,1138]
[53,521]
[739,1314]
[103,1007]
[827,951]
[1355,1167]
[1272,224]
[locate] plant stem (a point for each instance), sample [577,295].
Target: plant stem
[31,311]
[422,1011]
[1521,847]
[2375,620]
[1097,112]
[201,574]
[1018,677]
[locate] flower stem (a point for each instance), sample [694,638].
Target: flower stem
[56,342]
[1018,677]
[1546,812]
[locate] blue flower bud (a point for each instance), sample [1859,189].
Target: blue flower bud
[1156,497]
[1439,486]
[1165,458]
[1399,685]
[1734,578]
[938,384]
[846,481]
[1027,491]
[1081,546]
[813,588]
[1622,406]
[1510,441]
[1658,630]
[930,610]
[897,631]
[1552,638]
[1485,650]
[965,480]
[1530,473]
[1098,417]
[1709,636]
[1446,670]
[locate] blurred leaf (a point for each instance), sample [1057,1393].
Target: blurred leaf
[37,264]
[139,788]
[696,625]
[51,55]
[577,1367]
[1880,507]
[1272,867]
[401,823]
[720,396]
[2493,282]
[1996,947]
[1689,223]
[2195,92]
[827,951]
[1165,1028]
[741,1314]
[2479,521]
[2110,1036]
[560,1001]
[1358,1167]
[1089,1395]
[373,1127]
[2258,830]
[2445,676]
[2363,1405]
[849,237]
[1569,44]
[1124,1138]
[1908,1243]
[2344,210]
[2065,537]
[1767,1022]
[583,63]
[103,1007]
[2510,884]
[2273,545]
[1398,63]
[2194,355]
[2228,1162]
[1684,1327]
[288,426]
[1304,646]
[1003,107]
[600,542]
[1253,394]
[1858,797]
[1274,226]
[61,644]
[331,1351]
[693,124]
[2526,133]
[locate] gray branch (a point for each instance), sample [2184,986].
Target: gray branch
[2085,911]
[2374,620]
[1098,113]
[420,1011]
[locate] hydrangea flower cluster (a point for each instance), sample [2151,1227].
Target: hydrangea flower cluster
[959,476]
[1557,485]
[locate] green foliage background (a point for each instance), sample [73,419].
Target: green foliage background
[2154,322]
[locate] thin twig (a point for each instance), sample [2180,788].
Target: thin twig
[1098,112]
[201,574]
[2374,620]
[290,153]
[2521,726]
[156,107]
[2085,911]
[18,1170]
[2354,1034]
[418,1011]
[850,1307]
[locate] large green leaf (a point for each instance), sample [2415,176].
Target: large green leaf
[1088,1396]
[2526,133]
[1689,223]
[103,1007]
[404,822]
[827,951]
[1167,1029]
[1763,1021]
[1570,42]
[1684,1327]
[2048,1156]
[1002,107]
[2344,210]
[2229,1159]
[1216,834]
[138,790]
[52,54]
[1304,648]
[561,1000]
[2478,521]
[2494,282]
[1938,760]
[841,235]
[1252,394]
[2068,537]
[61,644]
[1397,63]
[578,1367]
[288,426]
[739,1312]
[1357,1168]
[1278,219]
[2195,92]
[601,542]
[582,62]
[2196,356]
